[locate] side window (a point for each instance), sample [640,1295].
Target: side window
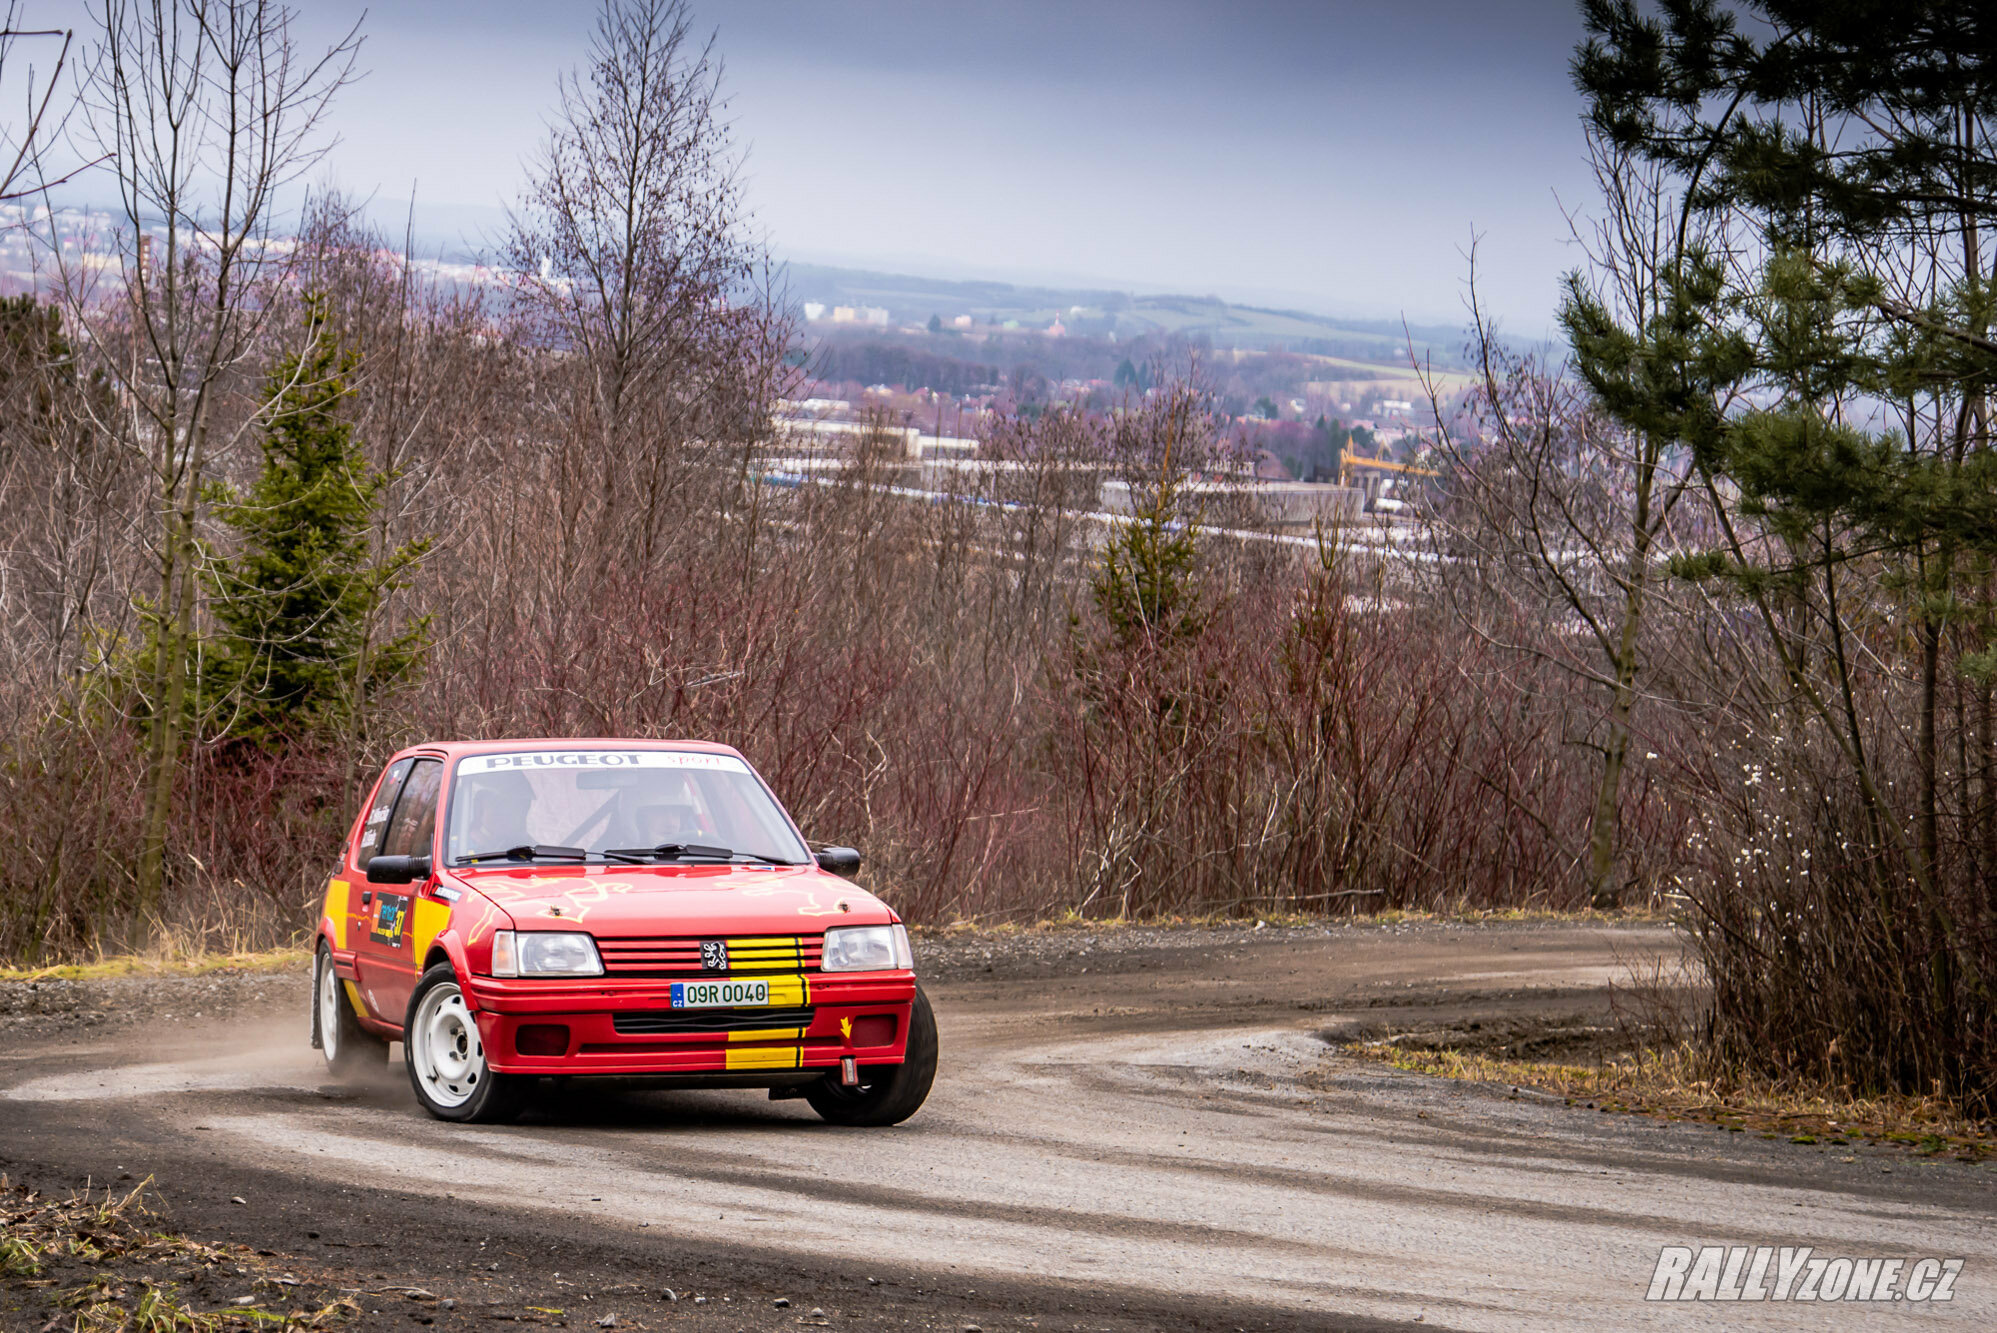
[377,818]
[412,830]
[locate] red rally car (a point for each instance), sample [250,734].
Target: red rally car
[513,910]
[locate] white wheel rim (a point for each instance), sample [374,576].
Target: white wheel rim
[443,1041]
[329,1008]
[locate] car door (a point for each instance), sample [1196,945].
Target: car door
[384,950]
[351,901]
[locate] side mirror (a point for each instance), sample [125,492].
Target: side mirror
[841,861]
[399,869]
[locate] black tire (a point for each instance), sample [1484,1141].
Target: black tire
[446,1059]
[350,1049]
[891,1093]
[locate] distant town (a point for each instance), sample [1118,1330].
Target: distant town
[1310,401]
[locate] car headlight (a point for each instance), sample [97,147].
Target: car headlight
[866,949]
[544,953]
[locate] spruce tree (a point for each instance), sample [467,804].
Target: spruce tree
[298,604]
[1145,588]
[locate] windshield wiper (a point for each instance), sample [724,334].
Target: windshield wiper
[680,851]
[536,852]
[689,851]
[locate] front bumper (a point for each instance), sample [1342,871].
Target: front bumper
[573,1027]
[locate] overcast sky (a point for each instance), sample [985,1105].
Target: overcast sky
[1337,156]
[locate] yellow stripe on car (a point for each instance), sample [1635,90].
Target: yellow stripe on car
[336,911]
[429,921]
[765,953]
[766,1057]
[787,950]
[789,992]
[768,1034]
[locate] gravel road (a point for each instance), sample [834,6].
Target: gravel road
[1130,1129]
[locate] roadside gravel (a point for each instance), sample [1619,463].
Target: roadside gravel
[59,1007]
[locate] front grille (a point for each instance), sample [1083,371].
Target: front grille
[679,955]
[709,1020]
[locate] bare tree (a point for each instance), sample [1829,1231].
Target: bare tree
[68,493]
[205,110]
[1557,517]
[633,259]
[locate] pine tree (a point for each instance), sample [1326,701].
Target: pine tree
[1842,149]
[298,605]
[1145,588]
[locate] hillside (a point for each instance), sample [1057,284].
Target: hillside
[911,299]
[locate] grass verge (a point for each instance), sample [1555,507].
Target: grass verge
[94,1263]
[1678,1084]
[163,964]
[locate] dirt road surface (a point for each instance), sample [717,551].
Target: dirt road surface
[1130,1129]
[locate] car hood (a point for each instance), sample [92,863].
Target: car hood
[613,901]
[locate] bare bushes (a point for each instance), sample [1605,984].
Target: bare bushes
[1150,718]
[1826,964]
[1839,953]
[251,852]
[1318,747]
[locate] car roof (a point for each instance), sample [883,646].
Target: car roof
[459,749]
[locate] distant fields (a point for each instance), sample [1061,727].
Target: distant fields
[1371,349]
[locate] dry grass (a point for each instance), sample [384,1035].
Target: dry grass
[96,1259]
[164,962]
[1679,1084]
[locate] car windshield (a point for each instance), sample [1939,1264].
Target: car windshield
[596,801]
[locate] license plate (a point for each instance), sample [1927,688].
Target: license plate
[720,994]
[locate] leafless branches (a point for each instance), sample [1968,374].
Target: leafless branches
[204,109]
[22,145]
[631,259]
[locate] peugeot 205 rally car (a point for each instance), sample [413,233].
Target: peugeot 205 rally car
[513,910]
